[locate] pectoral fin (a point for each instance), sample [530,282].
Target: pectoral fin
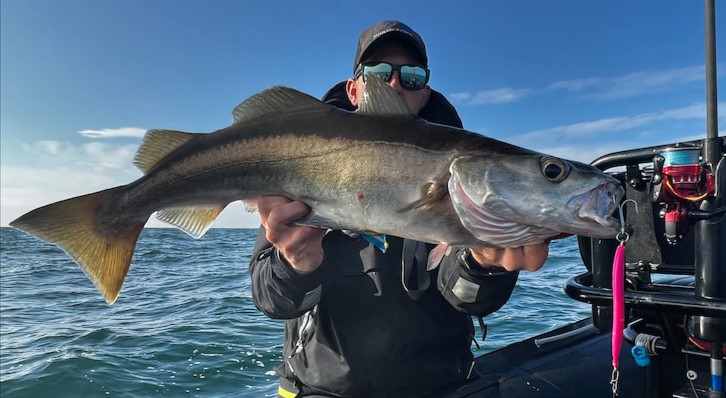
[437,255]
[432,193]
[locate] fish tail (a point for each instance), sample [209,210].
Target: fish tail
[73,225]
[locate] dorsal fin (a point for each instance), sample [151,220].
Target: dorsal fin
[273,101]
[381,99]
[157,144]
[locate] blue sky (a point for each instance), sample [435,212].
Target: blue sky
[82,80]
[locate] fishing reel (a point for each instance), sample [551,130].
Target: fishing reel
[680,183]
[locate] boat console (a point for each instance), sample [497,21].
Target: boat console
[675,265]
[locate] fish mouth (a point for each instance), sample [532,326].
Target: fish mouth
[599,206]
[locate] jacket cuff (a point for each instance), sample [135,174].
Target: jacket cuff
[473,290]
[282,270]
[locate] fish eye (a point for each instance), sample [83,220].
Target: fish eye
[554,169]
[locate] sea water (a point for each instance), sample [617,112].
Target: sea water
[185,323]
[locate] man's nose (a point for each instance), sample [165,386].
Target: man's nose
[395,82]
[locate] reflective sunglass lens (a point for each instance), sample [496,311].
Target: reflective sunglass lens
[384,71]
[413,77]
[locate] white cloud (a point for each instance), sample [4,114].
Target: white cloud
[587,151]
[63,170]
[95,155]
[114,133]
[620,123]
[576,85]
[460,97]
[589,140]
[602,88]
[633,84]
[23,188]
[496,96]
[584,154]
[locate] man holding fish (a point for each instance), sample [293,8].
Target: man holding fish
[366,315]
[353,328]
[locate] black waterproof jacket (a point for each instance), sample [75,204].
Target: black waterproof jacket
[353,330]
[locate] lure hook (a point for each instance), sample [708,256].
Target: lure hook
[623,236]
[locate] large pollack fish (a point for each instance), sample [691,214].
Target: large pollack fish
[379,170]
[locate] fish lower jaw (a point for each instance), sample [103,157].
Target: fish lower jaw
[588,215]
[608,222]
[599,206]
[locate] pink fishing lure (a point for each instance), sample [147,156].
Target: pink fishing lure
[618,303]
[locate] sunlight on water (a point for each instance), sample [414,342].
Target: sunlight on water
[185,324]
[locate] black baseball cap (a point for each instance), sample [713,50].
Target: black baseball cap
[389,30]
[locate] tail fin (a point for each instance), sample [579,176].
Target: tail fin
[72,225]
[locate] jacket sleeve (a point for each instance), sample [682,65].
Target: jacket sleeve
[277,290]
[472,289]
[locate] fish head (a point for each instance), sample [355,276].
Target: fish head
[511,201]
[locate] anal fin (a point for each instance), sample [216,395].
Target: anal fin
[194,220]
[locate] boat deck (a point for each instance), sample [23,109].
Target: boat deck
[573,361]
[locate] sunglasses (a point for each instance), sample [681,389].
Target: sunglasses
[412,77]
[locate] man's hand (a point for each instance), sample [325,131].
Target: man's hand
[301,246]
[530,258]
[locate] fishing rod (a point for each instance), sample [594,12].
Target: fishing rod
[710,254]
